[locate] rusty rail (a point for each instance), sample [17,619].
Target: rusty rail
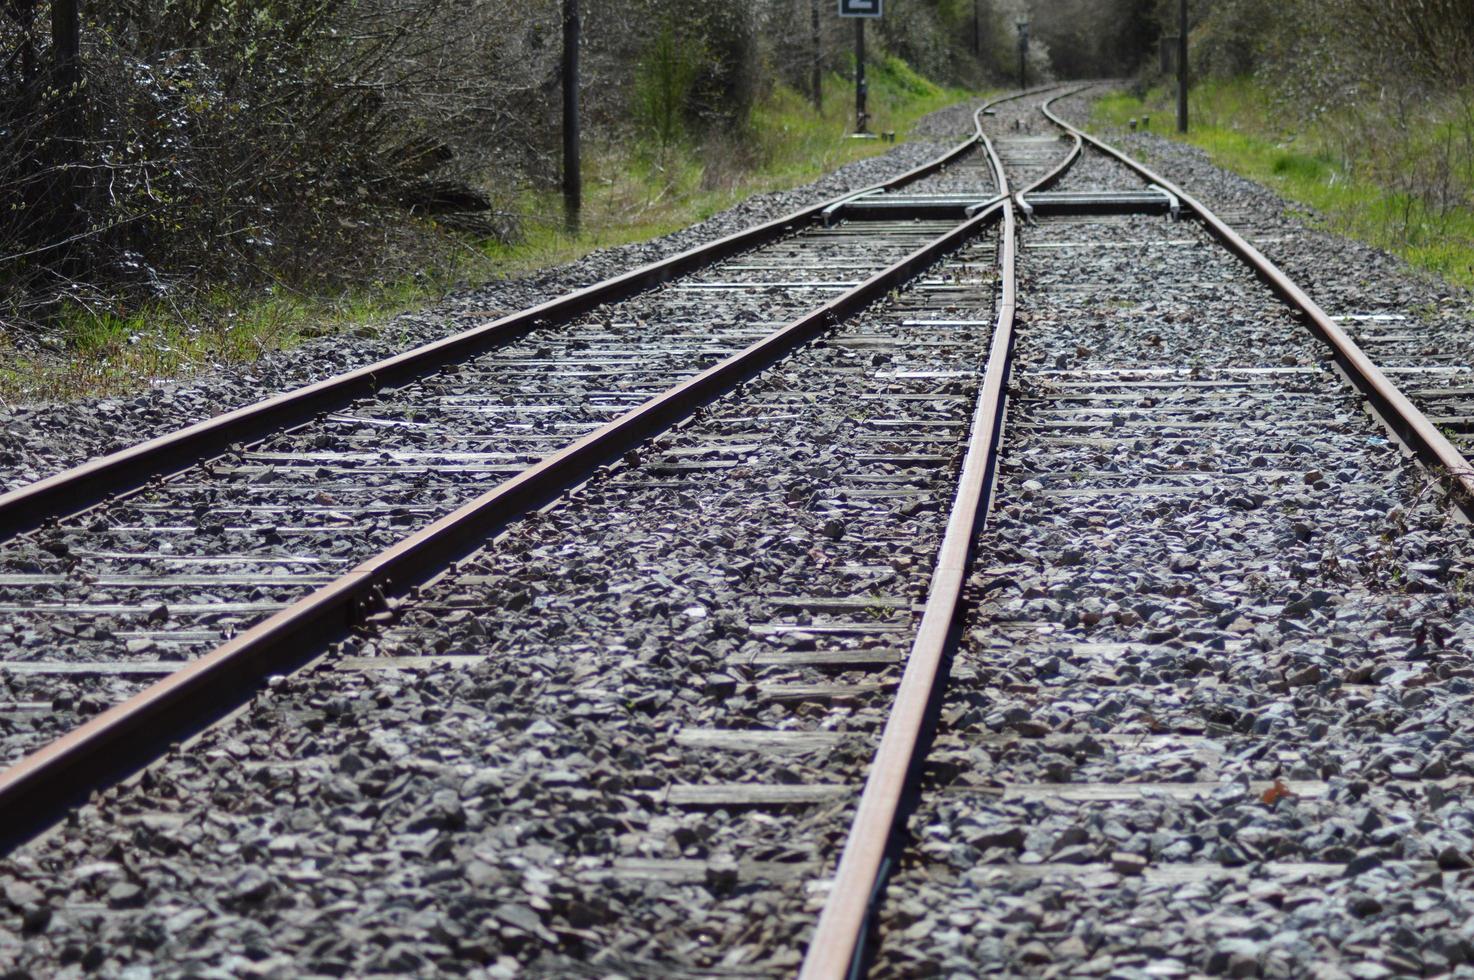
[839,936]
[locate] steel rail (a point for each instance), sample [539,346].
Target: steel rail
[35,791]
[100,479]
[839,936]
[1404,418]
[837,946]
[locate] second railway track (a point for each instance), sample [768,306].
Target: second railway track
[1176,738]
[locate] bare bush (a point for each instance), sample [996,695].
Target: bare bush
[1389,85]
[254,141]
[192,143]
[1434,39]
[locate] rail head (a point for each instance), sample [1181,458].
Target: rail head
[839,937]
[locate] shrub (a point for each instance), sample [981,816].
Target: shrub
[241,142]
[664,81]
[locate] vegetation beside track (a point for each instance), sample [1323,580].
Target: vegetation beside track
[199,182]
[635,189]
[1355,187]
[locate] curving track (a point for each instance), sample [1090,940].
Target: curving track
[1152,748]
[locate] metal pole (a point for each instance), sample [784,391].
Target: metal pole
[572,168]
[1182,66]
[816,82]
[860,119]
[1023,54]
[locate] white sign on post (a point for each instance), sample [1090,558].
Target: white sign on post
[859,8]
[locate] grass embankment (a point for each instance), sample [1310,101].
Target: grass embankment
[633,191]
[638,191]
[1390,176]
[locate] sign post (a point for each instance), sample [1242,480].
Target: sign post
[1182,66]
[860,10]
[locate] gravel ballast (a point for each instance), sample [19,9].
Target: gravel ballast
[1211,713]
[532,799]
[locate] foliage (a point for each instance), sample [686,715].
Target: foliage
[1353,194]
[632,193]
[245,142]
[1363,107]
[326,146]
[664,80]
[1095,38]
[934,37]
[1234,39]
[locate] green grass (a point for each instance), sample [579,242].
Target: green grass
[94,351]
[633,191]
[1362,192]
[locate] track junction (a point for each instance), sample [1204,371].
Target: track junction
[1004,569]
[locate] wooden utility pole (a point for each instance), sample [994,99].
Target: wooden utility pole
[1182,66]
[816,82]
[66,44]
[572,170]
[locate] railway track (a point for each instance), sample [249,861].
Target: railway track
[133,589]
[607,708]
[219,554]
[1166,679]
